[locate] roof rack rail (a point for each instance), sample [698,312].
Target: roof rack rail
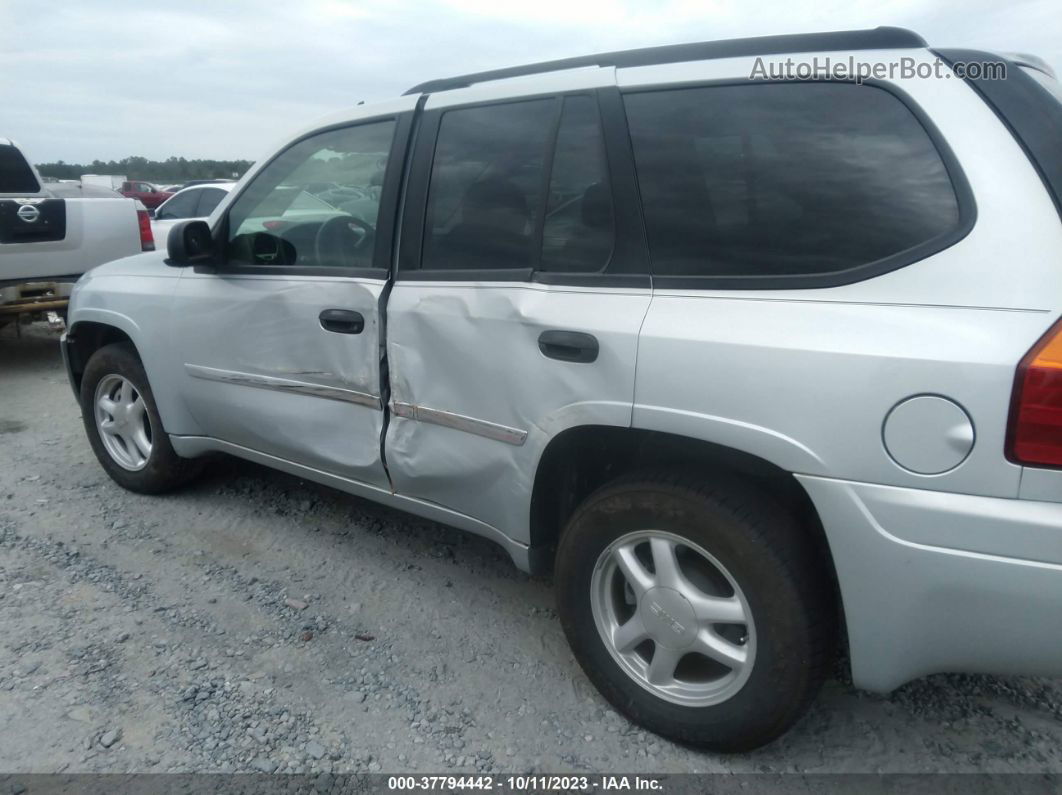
[880,38]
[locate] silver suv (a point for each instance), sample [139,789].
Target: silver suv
[752,365]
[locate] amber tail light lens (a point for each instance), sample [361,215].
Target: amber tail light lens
[1035,433]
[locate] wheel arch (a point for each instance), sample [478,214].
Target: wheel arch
[93,328]
[581,459]
[85,337]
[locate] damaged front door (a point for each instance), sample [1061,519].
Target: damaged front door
[281,342]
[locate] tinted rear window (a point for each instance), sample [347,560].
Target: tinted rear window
[484,198]
[786,180]
[15,174]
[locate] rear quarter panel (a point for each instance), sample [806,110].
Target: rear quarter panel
[805,378]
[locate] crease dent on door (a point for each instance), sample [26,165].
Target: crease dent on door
[474,401]
[262,373]
[276,348]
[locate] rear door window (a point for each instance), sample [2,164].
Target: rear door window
[755,182]
[485,192]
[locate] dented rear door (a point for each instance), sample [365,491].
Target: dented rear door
[519,296]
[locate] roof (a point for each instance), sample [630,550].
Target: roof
[225,186]
[880,38]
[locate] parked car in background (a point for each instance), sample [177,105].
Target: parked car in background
[108,181]
[197,201]
[757,367]
[52,233]
[144,192]
[192,182]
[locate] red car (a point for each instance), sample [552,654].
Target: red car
[150,196]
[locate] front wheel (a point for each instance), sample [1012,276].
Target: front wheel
[701,613]
[124,427]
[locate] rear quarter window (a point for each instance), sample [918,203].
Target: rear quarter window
[756,184]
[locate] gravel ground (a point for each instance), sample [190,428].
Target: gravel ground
[255,622]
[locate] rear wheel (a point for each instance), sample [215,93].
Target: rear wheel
[700,612]
[124,427]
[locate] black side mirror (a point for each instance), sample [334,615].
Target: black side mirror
[189,243]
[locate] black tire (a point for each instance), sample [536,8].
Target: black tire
[164,470]
[784,579]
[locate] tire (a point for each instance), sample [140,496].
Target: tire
[158,470]
[734,545]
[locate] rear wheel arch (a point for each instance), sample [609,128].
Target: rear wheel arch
[580,460]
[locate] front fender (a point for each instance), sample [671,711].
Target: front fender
[139,305]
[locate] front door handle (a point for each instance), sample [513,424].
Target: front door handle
[568,346]
[342,321]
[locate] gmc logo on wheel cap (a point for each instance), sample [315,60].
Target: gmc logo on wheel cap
[674,625]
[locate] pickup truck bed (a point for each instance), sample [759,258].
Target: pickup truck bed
[82,233]
[52,237]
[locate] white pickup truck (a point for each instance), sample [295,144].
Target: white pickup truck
[51,234]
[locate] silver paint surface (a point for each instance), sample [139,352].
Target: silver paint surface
[928,434]
[267,329]
[958,571]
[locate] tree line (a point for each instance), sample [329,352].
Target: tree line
[173,169]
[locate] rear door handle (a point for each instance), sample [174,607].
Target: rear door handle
[342,321]
[568,346]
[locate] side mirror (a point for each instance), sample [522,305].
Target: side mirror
[189,243]
[152,212]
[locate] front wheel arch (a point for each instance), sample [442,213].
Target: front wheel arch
[86,337]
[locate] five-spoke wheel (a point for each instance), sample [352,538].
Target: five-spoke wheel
[697,605]
[673,617]
[124,426]
[123,422]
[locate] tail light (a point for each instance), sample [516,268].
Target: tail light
[147,240]
[1035,433]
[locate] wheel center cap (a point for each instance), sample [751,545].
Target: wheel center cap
[668,617]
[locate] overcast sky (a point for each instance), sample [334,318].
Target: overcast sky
[110,78]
